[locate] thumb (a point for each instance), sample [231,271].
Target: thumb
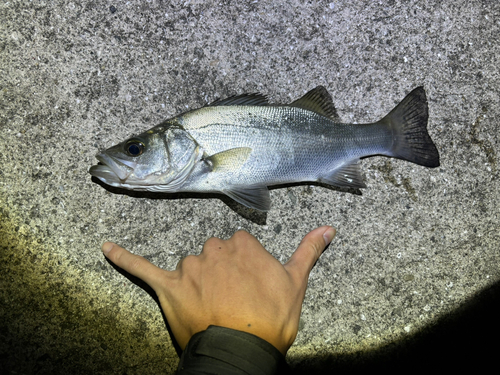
[311,247]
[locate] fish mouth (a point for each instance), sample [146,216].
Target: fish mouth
[112,171]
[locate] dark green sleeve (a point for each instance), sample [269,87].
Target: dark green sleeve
[220,350]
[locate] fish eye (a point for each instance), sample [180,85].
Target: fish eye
[134,147]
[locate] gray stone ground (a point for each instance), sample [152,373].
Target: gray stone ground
[76,77]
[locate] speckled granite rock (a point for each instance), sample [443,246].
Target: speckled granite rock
[79,76]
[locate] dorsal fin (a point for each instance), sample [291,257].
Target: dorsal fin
[244,99]
[318,100]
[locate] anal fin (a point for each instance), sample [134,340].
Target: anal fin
[348,175]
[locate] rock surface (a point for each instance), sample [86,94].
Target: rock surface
[418,246]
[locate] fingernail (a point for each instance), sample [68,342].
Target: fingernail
[106,247]
[328,235]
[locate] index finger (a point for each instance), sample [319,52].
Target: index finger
[135,264]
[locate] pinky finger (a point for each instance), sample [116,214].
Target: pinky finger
[134,264]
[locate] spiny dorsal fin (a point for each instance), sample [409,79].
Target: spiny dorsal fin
[244,99]
[228,160]
[347,175]
[318,100]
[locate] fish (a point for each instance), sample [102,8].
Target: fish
[242,145]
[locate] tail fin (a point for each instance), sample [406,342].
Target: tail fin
[408,122]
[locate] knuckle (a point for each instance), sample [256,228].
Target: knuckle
[116,255]
[242,239]
[136,262]
[241,235]
[315,247]
[188,262]
[318,249]
[213,244]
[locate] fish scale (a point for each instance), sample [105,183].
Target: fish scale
[312,146]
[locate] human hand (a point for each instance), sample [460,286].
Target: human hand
[232,283]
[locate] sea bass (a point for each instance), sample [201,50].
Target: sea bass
[241,145]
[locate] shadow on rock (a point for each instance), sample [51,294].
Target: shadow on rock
[463,339]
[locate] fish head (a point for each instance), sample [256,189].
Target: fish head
[159,159]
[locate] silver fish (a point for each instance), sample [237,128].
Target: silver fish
[241,145]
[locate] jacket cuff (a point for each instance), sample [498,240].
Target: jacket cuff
[228,351]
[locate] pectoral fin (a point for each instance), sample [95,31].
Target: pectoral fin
[347,175]
[229,160]
[250,196]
